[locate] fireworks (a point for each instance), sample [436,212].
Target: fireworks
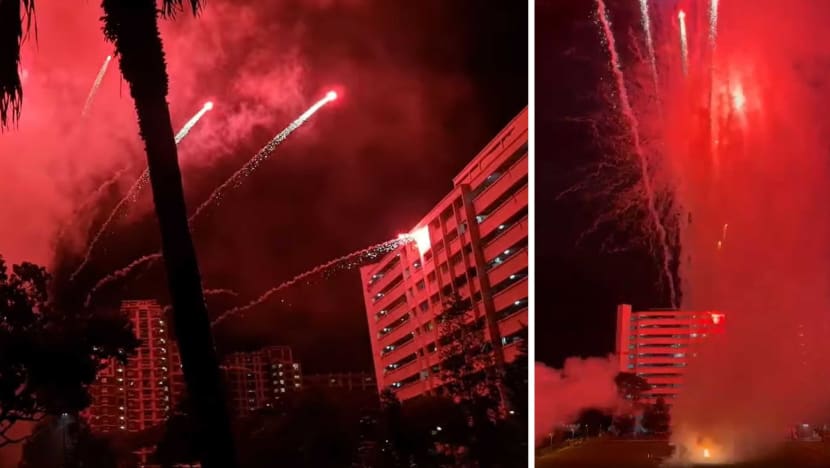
[633,124]
[95,85]
[713,23]
[684,48]
[135,189]
[326,270]
[192,122]
[650,44]
[237,177]
[118,274]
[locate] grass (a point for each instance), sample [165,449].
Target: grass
[601,453]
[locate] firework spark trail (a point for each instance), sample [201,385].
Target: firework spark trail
[650,45]
[117,274]
[135,189]
[631,118]
[95,85]
[713,23]
[236,178]
[684,46]
[92,198]
[219,292]
[346,262]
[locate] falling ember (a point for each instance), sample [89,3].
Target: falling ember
[135,189]
[634,128]
[95,85]
[650,44]
[684,47]
[347,262]
[713,23]
[237,177]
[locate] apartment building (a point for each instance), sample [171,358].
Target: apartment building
[657,345]
[474,242]
[140,394]
[260,379]
[341,380]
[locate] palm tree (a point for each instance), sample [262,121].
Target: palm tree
[132,26]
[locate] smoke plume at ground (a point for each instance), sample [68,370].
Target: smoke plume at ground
[582,383]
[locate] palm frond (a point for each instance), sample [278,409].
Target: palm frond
[171,7]
[15,24]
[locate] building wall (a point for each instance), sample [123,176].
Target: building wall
[341,380]
[657,345]
[260,379]
[478,236]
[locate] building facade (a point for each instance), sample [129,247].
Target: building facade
[142,393]
[341,380]
[260,379]
[657,345]
[474,242]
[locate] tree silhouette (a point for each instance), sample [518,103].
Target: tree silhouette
[50,355]
[656,417]
[132,26]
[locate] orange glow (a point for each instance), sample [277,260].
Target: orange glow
[706,453]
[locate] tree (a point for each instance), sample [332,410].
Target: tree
[132,26]
[631,386]
[469,376]
[48,355]
[656,417]
[64,442]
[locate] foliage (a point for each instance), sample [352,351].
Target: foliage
[50,355]
[310,428]
[631,386]
[66,441]
[656,418]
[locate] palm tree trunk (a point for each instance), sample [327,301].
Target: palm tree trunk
[133,26]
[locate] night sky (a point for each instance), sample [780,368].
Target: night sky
[425,86]
[578,284]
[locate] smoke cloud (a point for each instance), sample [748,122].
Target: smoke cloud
[582,383]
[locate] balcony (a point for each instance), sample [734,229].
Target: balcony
[385,301]
[513,264]
[398,353]
[399,332]
[508,237]
[412,390]
[509,296]
[513,174]
[503,212]
[381,283]
[513,323]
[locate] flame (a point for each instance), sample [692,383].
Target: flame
[706,453]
